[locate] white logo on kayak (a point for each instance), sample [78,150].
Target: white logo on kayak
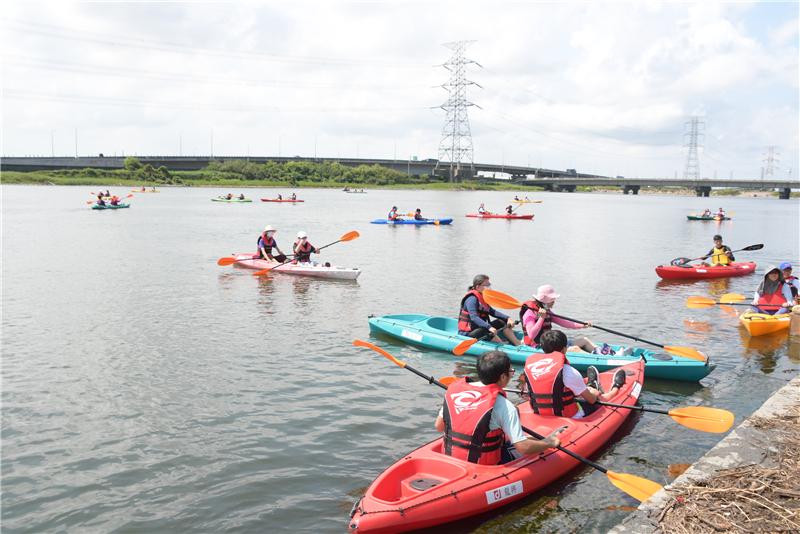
[465,400]
[540,367]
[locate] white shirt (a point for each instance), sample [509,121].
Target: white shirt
[573,380]
[504,415]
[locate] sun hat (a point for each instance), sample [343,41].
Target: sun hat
[546,294]
[301,234]
[269,228]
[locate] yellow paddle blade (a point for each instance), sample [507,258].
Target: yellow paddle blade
[700,302]
[368,345]
[464,346]
[703,419]
[447,380]
[349,236]
[727,298]
[687,352]
[639,488]
[698,305]
[498,299]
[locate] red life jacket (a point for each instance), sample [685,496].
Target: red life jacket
[774,299]
[544,374]
[302,252]
[465,325]
[546,325]
[267,243]
[467,411]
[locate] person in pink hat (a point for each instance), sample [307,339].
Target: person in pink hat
[537,319]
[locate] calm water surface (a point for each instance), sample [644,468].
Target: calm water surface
[146,389]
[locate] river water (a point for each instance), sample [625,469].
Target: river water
[146,389]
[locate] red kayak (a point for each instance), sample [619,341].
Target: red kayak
[426,488]
[700,272]
[499,216]
[280,200]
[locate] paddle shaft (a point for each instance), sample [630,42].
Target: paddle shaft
[751,247]
[611,331]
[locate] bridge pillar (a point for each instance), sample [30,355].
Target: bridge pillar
[703,191]
[566,188]
[785,193]
[632,188]
[549,187]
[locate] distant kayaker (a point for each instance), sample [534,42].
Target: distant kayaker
[556,384]
[392,216]
[773,295]
[537,318]
[789,278]
[467,408]
[143,189]
[418,215]
[115,200]
[154,189]
[516,197]
[720,213]
[720,254]
[228,196]
[100,201]
[509,210]
[294,196]
[280,197]
[108,194]
[474,318]
[302,248]
[266,242]
[706,213]
[241,196]
[481,209]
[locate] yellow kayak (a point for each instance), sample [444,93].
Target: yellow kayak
[761,324]
[527,201]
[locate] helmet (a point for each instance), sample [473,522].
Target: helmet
[269,228]
[301,235]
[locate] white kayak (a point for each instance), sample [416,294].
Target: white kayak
[318,270]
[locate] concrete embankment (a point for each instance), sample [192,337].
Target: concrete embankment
[749,482]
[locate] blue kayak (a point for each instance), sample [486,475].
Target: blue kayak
[441,333]
[413,221]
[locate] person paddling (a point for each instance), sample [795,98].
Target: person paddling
[773,295]
[481,209]
[509,210]
[294,196]
[474,317]
[537,318]
[100,201]
[115,200]
[720,214]
[241,196]
[392,216]
[302,248]
[554,387]
[280,197]
[266,242]
[791,280]
[477,419]
[720,254]
[418,215]
[228,196]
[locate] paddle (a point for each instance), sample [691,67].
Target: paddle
[501,300]
[639,488]
[699,303]
[230,260]
[349,236]
[712,420]
[465,345]
[750,248]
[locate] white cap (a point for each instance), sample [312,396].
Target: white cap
[269,228]
[301,234]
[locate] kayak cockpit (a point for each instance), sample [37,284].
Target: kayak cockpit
[443,324]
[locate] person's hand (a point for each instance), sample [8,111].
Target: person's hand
[754,303]
[510,322]
[786,304]
[588,324]
[541,312]
[552,439]
[493,330]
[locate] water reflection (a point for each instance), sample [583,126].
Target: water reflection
[764,347]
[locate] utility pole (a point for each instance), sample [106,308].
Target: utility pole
[692,139]
[771,161]
[212,143]
[315,147]
[76,142]
[456,143]
[180,144]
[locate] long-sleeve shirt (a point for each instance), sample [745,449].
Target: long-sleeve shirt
[471,304]
[786,291]
[532,323]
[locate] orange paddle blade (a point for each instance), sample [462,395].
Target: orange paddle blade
[447,380]
[500,300]
[368,345]
[349,236]
[703,419]
[639,488]
[700,302]
[464,346]
[263,271]
[687,352]
[227,260]
[728,298]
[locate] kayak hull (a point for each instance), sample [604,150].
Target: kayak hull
[671,272]
[231,200]
[299,269]
[499,216]
[412,221]
[441,333]
[427,488]
[110,207]
[281,200]
[762,324]
[700,218]
[140,191]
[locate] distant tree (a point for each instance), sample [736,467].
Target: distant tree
[132,164]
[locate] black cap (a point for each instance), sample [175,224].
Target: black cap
[717,237]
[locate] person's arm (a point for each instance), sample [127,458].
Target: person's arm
[708,254]
[498,314]
[534,325]
[509,422]
[730,253]
[472,308]
[565,323]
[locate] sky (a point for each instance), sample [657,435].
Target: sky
[601,87]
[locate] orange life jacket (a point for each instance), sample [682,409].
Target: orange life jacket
[465,325]
[544,374]
[467,411]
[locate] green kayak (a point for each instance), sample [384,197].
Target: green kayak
[441,333]
[220,199]
[110,207]
[711,218]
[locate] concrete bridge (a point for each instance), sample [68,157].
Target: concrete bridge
[551,179]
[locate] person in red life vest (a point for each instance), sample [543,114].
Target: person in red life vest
[266,242]
[115,200]
[477,419]
[554,387]
[475,314]
[392,216]
[791,280]
[100,201]
[536,319]
[773,295]
[302,248]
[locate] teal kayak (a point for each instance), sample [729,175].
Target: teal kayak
[412,221]
[441,333]
[110,207]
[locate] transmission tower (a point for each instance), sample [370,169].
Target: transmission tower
[692,138]
[456,144]
[770,162]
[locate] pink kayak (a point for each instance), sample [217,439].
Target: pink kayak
[317,270]
[281,200]
[499,216]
